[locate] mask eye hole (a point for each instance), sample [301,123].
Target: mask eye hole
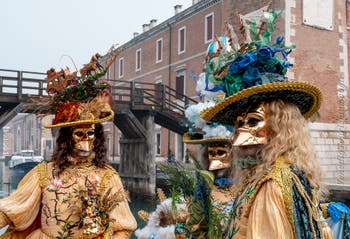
[90,133]
[252,122]
[221,152]
[79,134]
[240,123]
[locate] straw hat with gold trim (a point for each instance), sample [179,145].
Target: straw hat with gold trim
[197,138]
[73,113]
[81,101]
[254,73]
[305,96]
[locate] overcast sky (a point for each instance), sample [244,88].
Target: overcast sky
[35,35]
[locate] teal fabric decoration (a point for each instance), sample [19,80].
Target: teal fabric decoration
[242,69]
[336,212]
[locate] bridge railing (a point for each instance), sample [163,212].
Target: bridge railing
[127,94]
[22,83]
[143,95]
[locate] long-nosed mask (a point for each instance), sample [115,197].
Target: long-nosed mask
[251,128]
[84,138]
[219,155]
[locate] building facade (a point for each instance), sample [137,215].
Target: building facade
[173,53]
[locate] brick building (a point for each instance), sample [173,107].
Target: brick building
[24,132]
[173,52]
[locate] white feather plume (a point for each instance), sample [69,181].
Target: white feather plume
[192,113]
[152,229]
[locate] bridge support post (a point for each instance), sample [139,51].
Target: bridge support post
[137,162]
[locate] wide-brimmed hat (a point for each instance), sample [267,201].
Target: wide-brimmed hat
[197,138]
[75,113]
[305,96]
[83,100]
[254,73]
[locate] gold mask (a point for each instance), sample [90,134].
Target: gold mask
[251,128]
[219,156]
[84,138]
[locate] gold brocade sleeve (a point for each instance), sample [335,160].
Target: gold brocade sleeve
[23,205]
[268,215]
[123,222]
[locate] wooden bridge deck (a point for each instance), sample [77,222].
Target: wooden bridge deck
[18,87]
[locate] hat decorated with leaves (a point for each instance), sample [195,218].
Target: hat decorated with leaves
[254,71]
[81,100]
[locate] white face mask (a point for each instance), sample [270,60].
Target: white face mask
[84,138]
[251,128]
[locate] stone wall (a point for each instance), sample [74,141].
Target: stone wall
[332,145]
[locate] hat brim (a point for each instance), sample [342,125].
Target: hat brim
[305,96]
[188,140]
[83,122]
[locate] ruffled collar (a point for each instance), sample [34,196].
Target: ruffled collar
[81,161]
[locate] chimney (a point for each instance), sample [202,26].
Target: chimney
[145,27]
[152,23]
[177,8]
[195,1]
[135,34]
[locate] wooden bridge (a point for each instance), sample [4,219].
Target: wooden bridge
[17,87]
[138,107]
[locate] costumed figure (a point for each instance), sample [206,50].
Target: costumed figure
[76,194]
[278,179]
[215,150]
[189,212]
[201,198]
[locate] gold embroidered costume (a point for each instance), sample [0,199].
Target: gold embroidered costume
[76,195]
[42,205]
[266,209]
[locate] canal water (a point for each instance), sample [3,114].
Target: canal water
[137,205]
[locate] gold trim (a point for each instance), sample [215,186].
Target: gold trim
[209,113]
[324,208]
[108,233]
[206,140]
[43,175]
[187,139]
[48,234]
[82,122]
[282,175]
[106,178]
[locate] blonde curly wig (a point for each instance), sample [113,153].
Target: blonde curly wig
[288,136]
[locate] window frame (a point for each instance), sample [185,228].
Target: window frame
[138,52]
[206,40]
[179,51]
[180,73]
[158,148]
[161,50]
[121,67]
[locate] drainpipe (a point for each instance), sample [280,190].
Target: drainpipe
[169,76]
